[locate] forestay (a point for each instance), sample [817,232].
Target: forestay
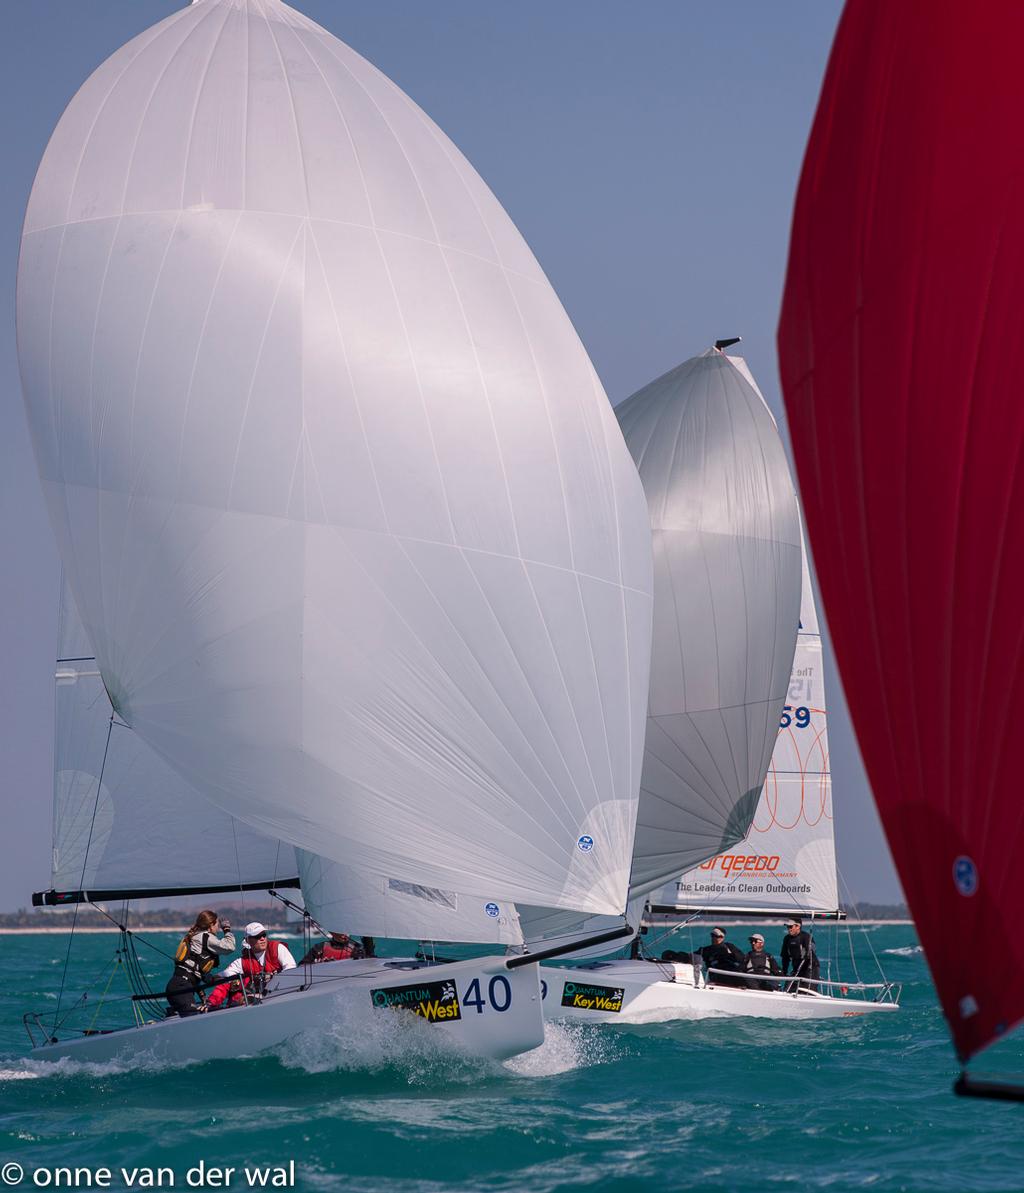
[787,861]
[143,828]
[901,349]
[343,505]
[726,606]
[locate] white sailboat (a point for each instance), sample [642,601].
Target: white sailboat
[783,866]
[126,826]
[356,543]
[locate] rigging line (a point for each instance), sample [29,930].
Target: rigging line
[113,970]
[128,932]
[85,863]
[238,866]
[864,933]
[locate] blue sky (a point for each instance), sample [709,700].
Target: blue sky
[649,154]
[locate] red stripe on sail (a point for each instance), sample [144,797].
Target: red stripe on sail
[901,350]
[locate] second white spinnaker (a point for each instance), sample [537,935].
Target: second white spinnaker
[787,861]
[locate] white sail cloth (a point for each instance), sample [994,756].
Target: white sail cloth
[788,859]
[351,899]
[124,820]
[343,505]
[143,827]
[726,606]
[544,926]
[727,599]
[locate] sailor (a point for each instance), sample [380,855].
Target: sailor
[758,961]
[261,958]
[798,954]
[339,947]
[720,955]
[198,953]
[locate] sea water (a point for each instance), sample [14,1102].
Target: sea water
[723,1104]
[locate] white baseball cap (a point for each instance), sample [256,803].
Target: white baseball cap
[254,929]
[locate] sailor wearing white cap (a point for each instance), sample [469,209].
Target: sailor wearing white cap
[758,961]
[261,958]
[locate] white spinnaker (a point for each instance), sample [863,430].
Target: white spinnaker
[788,859]
[726,605]
[351,899]
[343,505]
[727,599]
[147,829]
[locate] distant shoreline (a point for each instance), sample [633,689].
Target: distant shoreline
[182,928]
[147,928]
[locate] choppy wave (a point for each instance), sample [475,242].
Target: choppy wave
[379,1101]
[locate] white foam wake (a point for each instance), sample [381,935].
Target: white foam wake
[358,1037]
[566,1046]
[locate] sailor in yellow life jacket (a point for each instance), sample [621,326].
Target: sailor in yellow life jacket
[199,952]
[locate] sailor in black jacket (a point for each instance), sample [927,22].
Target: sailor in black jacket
[719,955]
[758,961]
[798,954]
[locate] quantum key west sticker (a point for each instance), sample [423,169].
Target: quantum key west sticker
[437,1002]
[583,996]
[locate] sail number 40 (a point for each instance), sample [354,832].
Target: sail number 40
[801,714]
[499,994]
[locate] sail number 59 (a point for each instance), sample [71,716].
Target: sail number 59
[800,714]
[499,994]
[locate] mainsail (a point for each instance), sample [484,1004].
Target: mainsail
[900,346]
[342,503]
[787,861]
[124,823]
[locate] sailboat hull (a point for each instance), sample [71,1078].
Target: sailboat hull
[635,992]
[478,1007]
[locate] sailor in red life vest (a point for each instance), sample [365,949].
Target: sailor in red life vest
[261,958]
[340,947]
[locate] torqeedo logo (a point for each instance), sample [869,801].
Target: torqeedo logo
[747,863]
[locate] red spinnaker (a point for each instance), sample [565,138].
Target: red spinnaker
[901,347]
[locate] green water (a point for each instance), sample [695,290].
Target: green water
[708,1105]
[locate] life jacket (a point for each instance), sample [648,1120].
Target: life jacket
[271,963]
[759,962]
[332,952]
[192,964]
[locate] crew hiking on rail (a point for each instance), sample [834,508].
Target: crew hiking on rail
[197,954]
